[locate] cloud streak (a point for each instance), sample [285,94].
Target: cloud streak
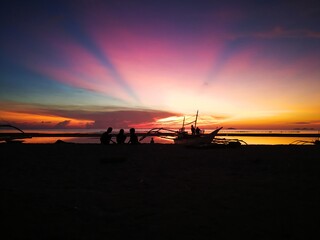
[275,33]
[279,32]
[62,125]
[79,117]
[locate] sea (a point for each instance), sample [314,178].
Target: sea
[264,136]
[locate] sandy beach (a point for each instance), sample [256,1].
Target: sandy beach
[158,191]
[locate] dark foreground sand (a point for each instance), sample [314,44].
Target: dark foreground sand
[83,191]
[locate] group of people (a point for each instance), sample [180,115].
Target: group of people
[106,137]
[195,131]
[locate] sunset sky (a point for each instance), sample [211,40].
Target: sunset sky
[94,64]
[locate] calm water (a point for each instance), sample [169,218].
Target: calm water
[248,140]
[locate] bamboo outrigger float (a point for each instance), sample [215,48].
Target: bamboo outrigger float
[304,142]
[12,137]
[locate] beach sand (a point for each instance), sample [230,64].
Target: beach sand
[158,191]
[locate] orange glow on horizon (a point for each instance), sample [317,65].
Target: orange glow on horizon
[30,119]
[263,120]
[280,121]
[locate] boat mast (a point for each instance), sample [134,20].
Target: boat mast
[195,122]
[182,129]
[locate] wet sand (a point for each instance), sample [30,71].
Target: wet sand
[90,191]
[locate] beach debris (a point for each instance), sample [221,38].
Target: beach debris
[59,141]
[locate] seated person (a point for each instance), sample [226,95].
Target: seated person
[133,137]
[121,137]
[106,136]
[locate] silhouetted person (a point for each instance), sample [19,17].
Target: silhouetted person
[106,136]
[193,130]
[151,141]
[198,131]
[133,137]
[121,137]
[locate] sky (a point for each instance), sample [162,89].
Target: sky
[95,64]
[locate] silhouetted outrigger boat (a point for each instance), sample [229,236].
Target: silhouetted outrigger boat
[307,142]
[197,139]
[304,142]
[181,136]
[12,137]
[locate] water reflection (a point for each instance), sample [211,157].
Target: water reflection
[96,140]
[93,136]
[44,140]
[91,140]
[272,140]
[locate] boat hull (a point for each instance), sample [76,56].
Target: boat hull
[186,139]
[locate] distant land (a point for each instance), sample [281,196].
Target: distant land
[304,129]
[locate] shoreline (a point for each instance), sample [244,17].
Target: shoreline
[250,139]
[32,134]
